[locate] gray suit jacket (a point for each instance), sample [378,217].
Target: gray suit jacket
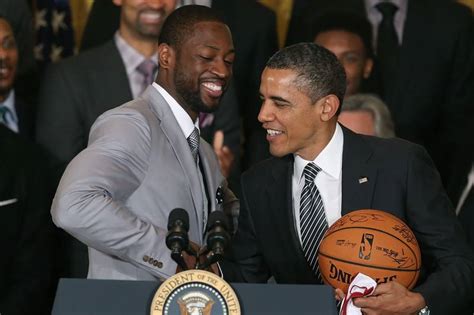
[116,195]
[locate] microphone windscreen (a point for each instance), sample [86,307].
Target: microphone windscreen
[217,217]
[178,214]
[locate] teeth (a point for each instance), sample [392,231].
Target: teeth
[151,15]
[272,132]
[213,87]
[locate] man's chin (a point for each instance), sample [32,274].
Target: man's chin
[209,106]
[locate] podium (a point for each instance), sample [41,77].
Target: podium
[100,297]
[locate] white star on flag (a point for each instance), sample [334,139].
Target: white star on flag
[55,53]
[40,19]
[58,21]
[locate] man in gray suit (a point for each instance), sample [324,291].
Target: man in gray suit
[142,162]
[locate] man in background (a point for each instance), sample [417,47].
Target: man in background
[349,37]
[27,278]
[15,113]
[368,115]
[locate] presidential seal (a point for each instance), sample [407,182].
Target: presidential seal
[195,292]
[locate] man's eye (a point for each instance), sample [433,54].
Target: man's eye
[205,58]
[8,44]
[229,62]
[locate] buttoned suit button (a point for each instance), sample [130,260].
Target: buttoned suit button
[145,258]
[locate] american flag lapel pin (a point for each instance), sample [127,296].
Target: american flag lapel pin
[363,180]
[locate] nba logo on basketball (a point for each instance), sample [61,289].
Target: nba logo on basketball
[366,246]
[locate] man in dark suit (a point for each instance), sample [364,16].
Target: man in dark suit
[253,28]
[26,233]
[322,171]
[18,13]
[430,93]
[14,112]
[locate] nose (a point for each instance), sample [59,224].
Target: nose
[265,114]
[221,69]
[157,4]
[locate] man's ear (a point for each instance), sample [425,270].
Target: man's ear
[329,106]
[369,64]
[166,56]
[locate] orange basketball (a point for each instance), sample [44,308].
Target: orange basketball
[372,242]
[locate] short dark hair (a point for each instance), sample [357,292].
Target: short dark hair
[344,20]
[180,23]
[319,73]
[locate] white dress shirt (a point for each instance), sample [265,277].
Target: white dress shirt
[328,181]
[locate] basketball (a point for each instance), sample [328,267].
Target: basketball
[372,242]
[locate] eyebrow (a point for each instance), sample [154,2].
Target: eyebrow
[276,98]
[232,51]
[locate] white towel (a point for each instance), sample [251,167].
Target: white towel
[362,285]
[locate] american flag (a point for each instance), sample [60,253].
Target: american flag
[54,32]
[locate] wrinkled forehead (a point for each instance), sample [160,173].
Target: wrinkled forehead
[210,33]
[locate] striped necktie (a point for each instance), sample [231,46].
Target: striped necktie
[312,218]
[193,141]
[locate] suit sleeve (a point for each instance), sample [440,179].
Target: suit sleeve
[58,109]
[445,253]
[245,263]
[90,202]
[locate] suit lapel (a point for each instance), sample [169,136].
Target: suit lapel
[26,123]
[109,81]
[280,196]
[209,177]
[180,146]
[358,177]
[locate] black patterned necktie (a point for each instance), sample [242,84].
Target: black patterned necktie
[193,141]
[313,221]
[387,45]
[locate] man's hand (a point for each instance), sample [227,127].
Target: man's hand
[190,260]
[391,298]
[224,155]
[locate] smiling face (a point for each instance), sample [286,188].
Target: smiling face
[350,51]
[143,19]
[293,122]
[8,59]
[203,67]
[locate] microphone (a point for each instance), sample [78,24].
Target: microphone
[218,238]
[177,238]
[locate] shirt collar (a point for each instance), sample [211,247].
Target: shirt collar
[401,4]
[329,160]
[10,104]
[131,57]
[184,121]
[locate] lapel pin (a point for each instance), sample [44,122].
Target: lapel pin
[219,195]
[363,180]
